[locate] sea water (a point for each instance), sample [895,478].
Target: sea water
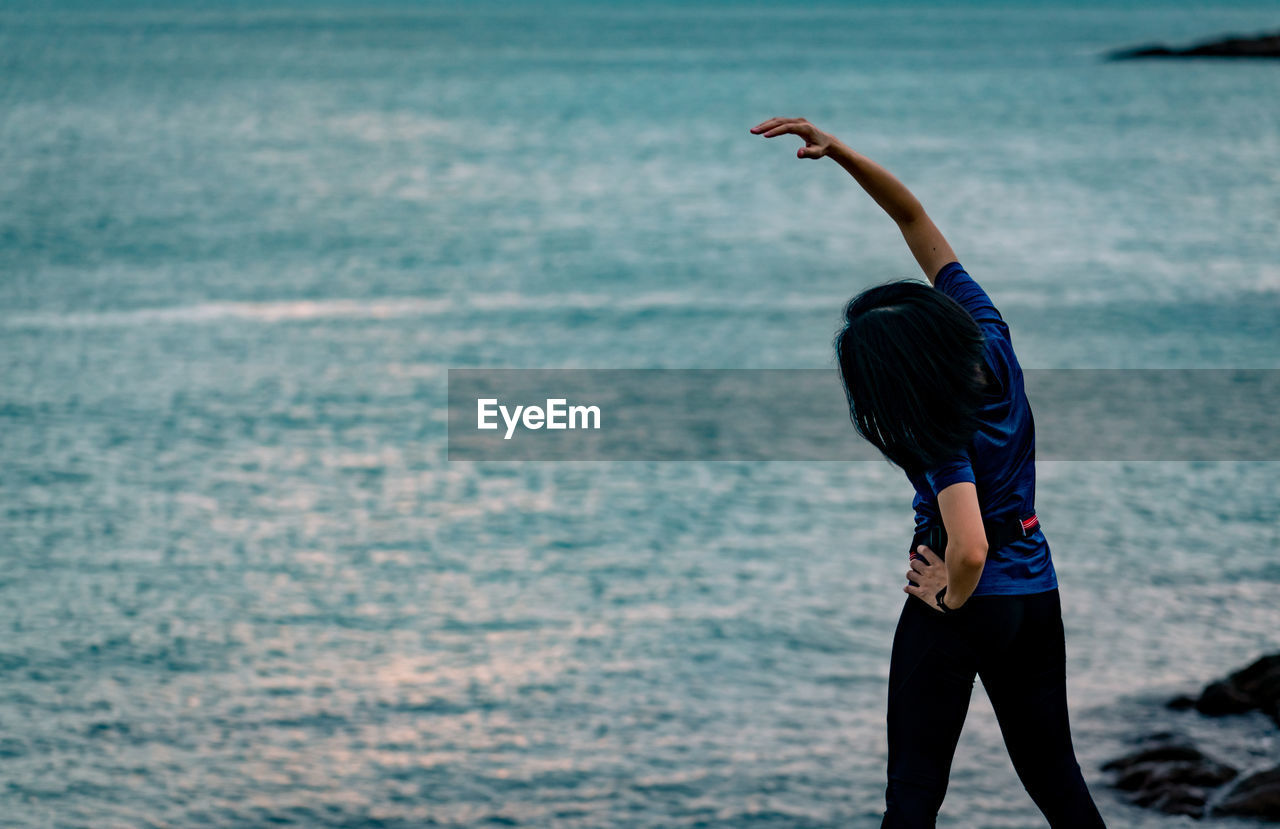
[241,244]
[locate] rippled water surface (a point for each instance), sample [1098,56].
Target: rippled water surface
[240,245]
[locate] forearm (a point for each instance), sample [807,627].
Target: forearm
[964,569]
[887,191]
[920,233]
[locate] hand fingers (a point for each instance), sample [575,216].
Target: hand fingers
[919,567]
[774,122]
[929,555]
[809,151]
[920,593]
[782,129]
[769,123]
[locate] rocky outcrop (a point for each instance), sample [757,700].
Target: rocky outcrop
[1169,775]
[1260,46]
[1256,796]
[1254,688]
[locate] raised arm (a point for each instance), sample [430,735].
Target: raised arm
[923,237]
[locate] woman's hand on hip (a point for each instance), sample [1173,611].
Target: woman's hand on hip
[929,575]
[816,142]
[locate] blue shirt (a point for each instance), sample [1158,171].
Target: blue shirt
[1000,460]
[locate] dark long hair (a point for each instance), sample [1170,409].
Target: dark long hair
[911,363]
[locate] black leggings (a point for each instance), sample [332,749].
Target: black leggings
[1016,644]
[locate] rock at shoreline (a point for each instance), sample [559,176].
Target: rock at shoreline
[1254,688]
[1260,46]
[1170,776]
[1256,796]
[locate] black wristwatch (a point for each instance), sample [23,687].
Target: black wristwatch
[941,604]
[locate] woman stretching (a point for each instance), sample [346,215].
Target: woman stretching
[933,383]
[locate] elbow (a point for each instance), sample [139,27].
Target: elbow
[973,556]
[909,214]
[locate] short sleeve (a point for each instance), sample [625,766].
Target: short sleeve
[954,470]
[956,283]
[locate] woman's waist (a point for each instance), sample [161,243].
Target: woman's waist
[1000,531]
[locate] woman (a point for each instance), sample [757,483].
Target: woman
[932,381]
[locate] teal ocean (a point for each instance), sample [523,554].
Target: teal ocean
[241,243]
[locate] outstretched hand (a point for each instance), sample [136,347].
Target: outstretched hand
[816,142]
[928,575]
